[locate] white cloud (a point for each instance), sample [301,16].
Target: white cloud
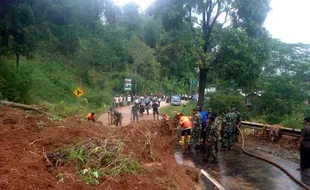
[142,3]
[288,20]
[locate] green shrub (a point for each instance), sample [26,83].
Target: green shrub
[292,122]
[14,84]
[219,102]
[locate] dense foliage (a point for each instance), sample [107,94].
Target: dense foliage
[48,48]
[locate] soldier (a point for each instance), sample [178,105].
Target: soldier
[135,112]
[118,117]
[237,124]
[196,129]
[212,139]
[155,107]
[228,129]
[304,146]
[234,120]
[217,124]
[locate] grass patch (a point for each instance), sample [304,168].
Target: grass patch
[172,110]
[97,158]
[293,122]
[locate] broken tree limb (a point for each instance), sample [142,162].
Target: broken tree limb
[25,107]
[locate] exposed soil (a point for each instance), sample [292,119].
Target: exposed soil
[26,138]
[285,148]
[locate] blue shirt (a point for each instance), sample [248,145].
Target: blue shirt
[204,116]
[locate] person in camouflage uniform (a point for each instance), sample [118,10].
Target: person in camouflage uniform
[237,124]
[135,112]
[228,130]
[218,125]
[118,117]
[234,119]
[196,129]
[212,139]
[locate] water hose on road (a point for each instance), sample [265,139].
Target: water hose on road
[273,163]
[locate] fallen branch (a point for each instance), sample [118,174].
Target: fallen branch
[25,107]
[47,158]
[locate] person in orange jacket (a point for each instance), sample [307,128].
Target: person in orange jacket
[185,123]
[91,117]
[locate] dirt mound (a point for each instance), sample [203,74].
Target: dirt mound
[26,140]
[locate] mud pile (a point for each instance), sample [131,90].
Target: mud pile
[26,140]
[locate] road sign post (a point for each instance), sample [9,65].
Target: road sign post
[127,84]
[191,82]
[78,92]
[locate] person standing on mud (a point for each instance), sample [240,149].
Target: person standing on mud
[212,138]
[118,117]
[237,124]
[155,107]
[304,146]
[228,130]
[185,124]
[135,112]
[203,134]
[196,129]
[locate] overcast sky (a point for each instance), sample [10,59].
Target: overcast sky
[288,20]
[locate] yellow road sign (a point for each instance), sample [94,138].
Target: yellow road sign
[78,92]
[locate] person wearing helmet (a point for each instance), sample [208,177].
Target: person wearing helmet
[185,124]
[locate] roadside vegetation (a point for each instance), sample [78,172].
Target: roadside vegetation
[94,159]
[172,110]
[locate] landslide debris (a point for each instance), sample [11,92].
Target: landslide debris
[39,153]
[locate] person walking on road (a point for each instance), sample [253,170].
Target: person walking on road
[155,107]
[304,146]
[135,112]
[196,129]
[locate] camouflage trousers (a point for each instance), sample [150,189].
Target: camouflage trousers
[228,136]
[135,117]
[212,148]
[195,136]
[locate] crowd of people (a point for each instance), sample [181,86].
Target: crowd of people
[205,130]
[127,100]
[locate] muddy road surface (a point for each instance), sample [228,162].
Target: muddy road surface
[105,118]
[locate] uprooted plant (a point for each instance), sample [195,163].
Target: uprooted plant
[95,158]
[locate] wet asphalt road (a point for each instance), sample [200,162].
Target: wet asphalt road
[236,170]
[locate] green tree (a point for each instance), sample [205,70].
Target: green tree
[210,11]
[18,27]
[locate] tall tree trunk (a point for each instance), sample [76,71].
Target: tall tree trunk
[202,85]
[17,60]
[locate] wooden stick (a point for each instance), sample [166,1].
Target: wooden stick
[25,107]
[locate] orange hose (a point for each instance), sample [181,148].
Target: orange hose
[273,163]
